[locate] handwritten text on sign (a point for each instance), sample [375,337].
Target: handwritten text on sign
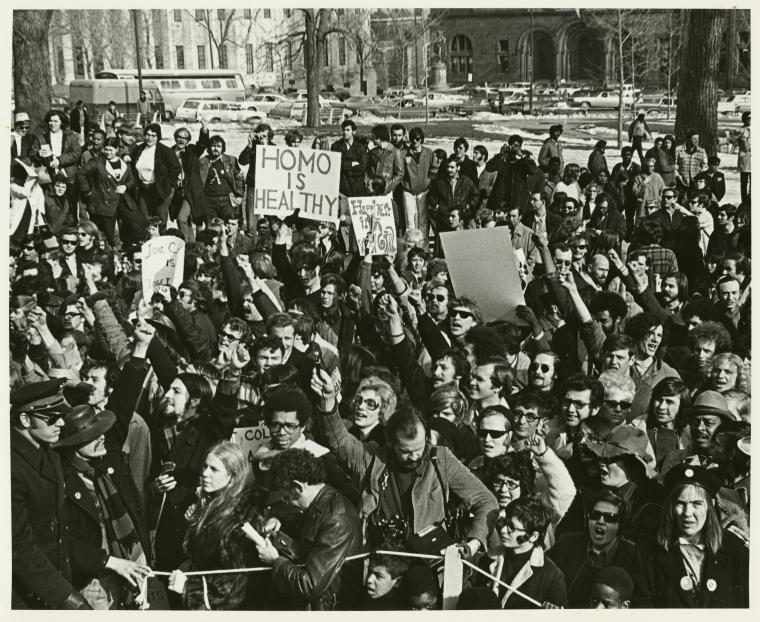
[250,439]
[374,215]
[289,179]
[163,263]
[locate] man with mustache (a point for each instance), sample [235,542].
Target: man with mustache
[408,478]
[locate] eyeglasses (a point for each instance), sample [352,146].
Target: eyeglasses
[563,262]
[230,336]
[371,404]
[509,483]
[608,517]
[483,433]
[69,316]
[69,242]
[462,313]
[510,528]
[28,247]
[542,366]
[577,404]
[530,417]
[151,135]
[288,427]
[438,297]
[180,137]
[669,196]
[614,404]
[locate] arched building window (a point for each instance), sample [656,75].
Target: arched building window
[461,55]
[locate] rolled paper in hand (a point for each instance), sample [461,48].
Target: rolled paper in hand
[252,534]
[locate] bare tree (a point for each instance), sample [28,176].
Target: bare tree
[221,30]
[698,81]
[32,84]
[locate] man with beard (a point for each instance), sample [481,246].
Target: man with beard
[222,180]
[407,479]
[513,166]
[708,412]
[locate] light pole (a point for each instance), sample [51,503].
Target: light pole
[138,57]
[530,66]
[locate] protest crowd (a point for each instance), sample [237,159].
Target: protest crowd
[248,407]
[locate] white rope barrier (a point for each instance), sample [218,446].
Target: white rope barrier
[500,582]
[194,573]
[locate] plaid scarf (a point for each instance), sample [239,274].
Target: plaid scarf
[120,531]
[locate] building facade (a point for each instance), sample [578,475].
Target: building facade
[262,44]
[485,45]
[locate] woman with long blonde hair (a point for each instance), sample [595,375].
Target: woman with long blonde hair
[214,539]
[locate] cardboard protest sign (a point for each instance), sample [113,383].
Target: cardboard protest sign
[163,263]
[289,179]
[482,266]
[374,215]
[250,439]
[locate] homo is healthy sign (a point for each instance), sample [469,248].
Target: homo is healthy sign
[290,179]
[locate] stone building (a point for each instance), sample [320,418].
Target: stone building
[261,44]
[493,45]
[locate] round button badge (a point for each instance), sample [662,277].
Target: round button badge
[712,585]
[686,583]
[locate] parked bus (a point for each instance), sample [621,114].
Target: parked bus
[178,85]
[125,92]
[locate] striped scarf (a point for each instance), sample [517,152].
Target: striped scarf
[120,530]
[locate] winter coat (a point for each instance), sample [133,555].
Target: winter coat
[98,187]
[368,465]
[166,168]
[724,582]
[41,563]
[331,532]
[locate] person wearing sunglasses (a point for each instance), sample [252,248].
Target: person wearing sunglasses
[24,145]
[625,464]
[520,560]
[463,315]
[581,555]
[606,217]
[373,404]
[41,546]
[188,202]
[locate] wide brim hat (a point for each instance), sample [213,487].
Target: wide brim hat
[21,117]
[83,425]
[711,403]
[625,441]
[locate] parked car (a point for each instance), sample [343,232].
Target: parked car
[357,103]
[604,99]
[480,103]
[215,111]
[441,101]
[266,101]
[734,104]
[656,105]
[290,109]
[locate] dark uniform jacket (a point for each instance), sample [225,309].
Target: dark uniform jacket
[353,165]
[41,564]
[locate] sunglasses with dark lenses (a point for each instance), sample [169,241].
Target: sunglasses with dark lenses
[462,313]
[484,433]
[669,196]
[614,404]
[69,316]
[577,404]
[563,262]
[542,366]
[230,336]
[69,242]
[608,517]
[28,247]
[48,419]
[438,297]
[371,404]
